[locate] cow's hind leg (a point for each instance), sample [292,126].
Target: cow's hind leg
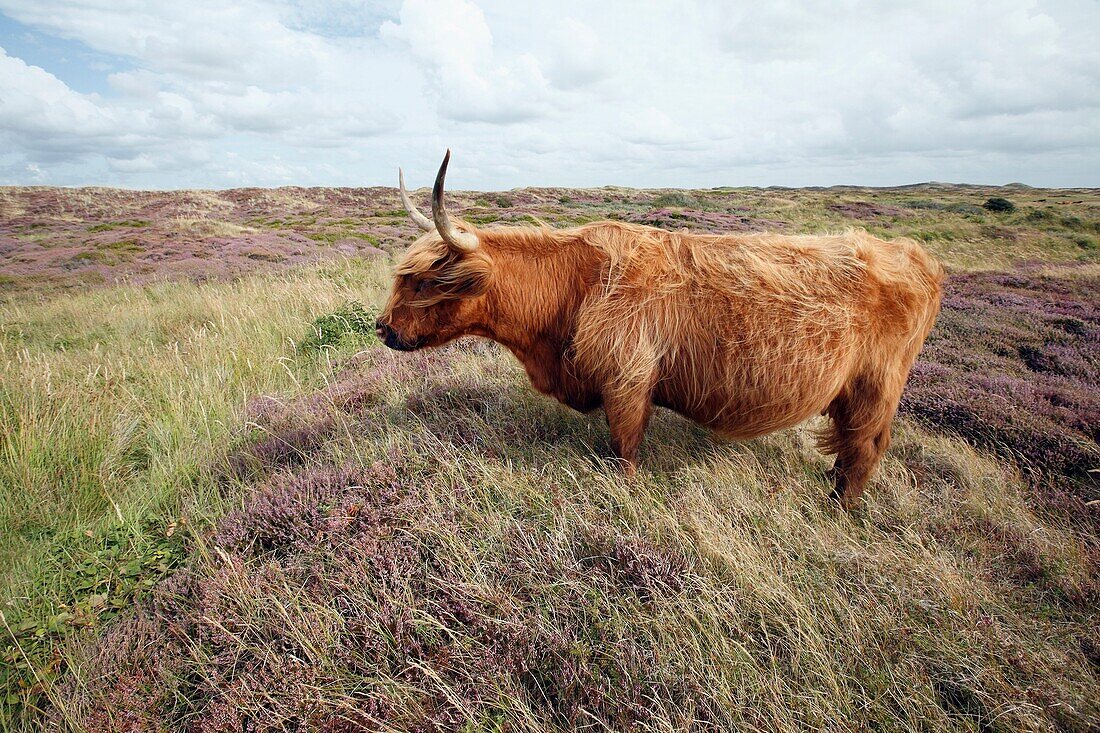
[628,412]
[855,464]
[859,435]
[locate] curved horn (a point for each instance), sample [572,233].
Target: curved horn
[421,221]
[458,241]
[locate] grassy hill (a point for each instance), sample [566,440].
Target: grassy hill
[224,507]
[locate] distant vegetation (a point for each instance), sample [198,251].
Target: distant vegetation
[999,205]
[224,506]
[675,198]
[110,225]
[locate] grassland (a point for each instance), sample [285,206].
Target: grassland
[224,507]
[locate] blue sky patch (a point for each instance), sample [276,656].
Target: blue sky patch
[83,69]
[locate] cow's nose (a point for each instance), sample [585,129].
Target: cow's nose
[381,329]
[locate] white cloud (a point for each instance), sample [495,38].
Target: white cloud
[41,114]
[577,57]
[564,92]
[452,40]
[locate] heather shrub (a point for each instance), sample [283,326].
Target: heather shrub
[294,513]
[1012,365]
[361,563]
[278,434]
[706,221]
[499,200]
[635,563]
[406,594]
[108,226]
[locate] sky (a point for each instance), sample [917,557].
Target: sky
[691,93]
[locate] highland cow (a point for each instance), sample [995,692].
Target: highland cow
[745,334]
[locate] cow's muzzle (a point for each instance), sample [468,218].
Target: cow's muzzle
[389,337]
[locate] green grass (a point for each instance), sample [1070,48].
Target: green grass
[331,237]
[122,250]
[112,404]
[482,219]
[112,225]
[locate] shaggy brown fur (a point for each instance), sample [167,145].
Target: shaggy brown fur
[746,334]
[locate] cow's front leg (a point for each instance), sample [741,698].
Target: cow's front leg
[627,416]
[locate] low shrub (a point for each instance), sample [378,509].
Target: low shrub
[350,325]
[999,205]
[675,198]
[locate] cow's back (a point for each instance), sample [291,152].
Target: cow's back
[752,333]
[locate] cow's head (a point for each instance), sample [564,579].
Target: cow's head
[440,283]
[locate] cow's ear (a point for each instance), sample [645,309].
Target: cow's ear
[469,275]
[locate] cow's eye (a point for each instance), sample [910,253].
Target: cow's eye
[424,285]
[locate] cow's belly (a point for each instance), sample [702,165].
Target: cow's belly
[748,402]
